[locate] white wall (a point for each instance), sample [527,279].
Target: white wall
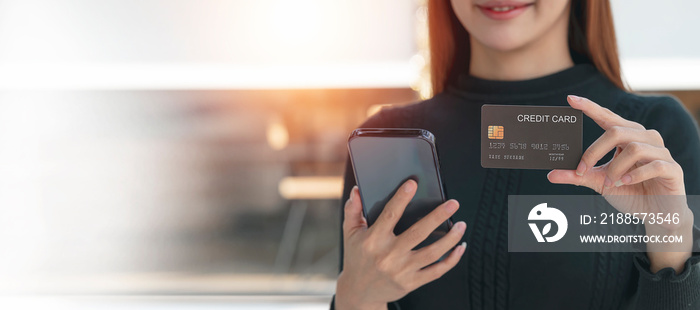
[175,44]
[218,31]
[657,29]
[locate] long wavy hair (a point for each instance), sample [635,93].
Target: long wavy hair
[591,40]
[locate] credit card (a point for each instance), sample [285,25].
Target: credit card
[531,137]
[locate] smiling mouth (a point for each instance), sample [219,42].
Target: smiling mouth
[504,8]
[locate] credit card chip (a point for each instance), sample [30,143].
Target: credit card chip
[496,132]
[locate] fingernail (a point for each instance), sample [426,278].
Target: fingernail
[460,226]
[608,183]
[618,183]
[409,186]
[451,205]
[581,169]
[462,247]
[352,192]
[626,179]
[574,98]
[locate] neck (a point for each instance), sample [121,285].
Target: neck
[549,54]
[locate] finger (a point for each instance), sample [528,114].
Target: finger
[353,213]
[394,208]
[602,116]
[630,156]
[615,136]
[431,273]
[593,179]
[415,234]
[430,254]
[654,169]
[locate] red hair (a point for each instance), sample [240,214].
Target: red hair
[591,39]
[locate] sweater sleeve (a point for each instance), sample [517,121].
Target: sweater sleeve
[665,289]
[379,120]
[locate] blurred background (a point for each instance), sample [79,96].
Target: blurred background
[190,153]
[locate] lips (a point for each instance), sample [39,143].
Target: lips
[503,10]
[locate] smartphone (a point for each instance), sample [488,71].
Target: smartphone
[383,159]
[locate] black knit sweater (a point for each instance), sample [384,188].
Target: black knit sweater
[490,277]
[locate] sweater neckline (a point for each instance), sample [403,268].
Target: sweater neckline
[478,88]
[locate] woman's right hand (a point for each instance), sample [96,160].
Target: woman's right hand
[380,267]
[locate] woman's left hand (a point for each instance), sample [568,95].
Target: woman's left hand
[642,169]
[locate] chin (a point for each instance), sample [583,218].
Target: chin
[502,42]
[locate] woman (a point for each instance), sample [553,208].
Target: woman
[534,52]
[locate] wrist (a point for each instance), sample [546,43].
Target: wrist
[343,303]
[662,260]
[346,306]
[346,298]
[672,255]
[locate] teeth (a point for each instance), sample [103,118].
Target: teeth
[502,8]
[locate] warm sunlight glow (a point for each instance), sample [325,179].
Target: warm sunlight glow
[277,135]
[311,187]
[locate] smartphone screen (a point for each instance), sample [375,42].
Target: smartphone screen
[384,160]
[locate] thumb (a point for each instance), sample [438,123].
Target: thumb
[592,179]
[353,213]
